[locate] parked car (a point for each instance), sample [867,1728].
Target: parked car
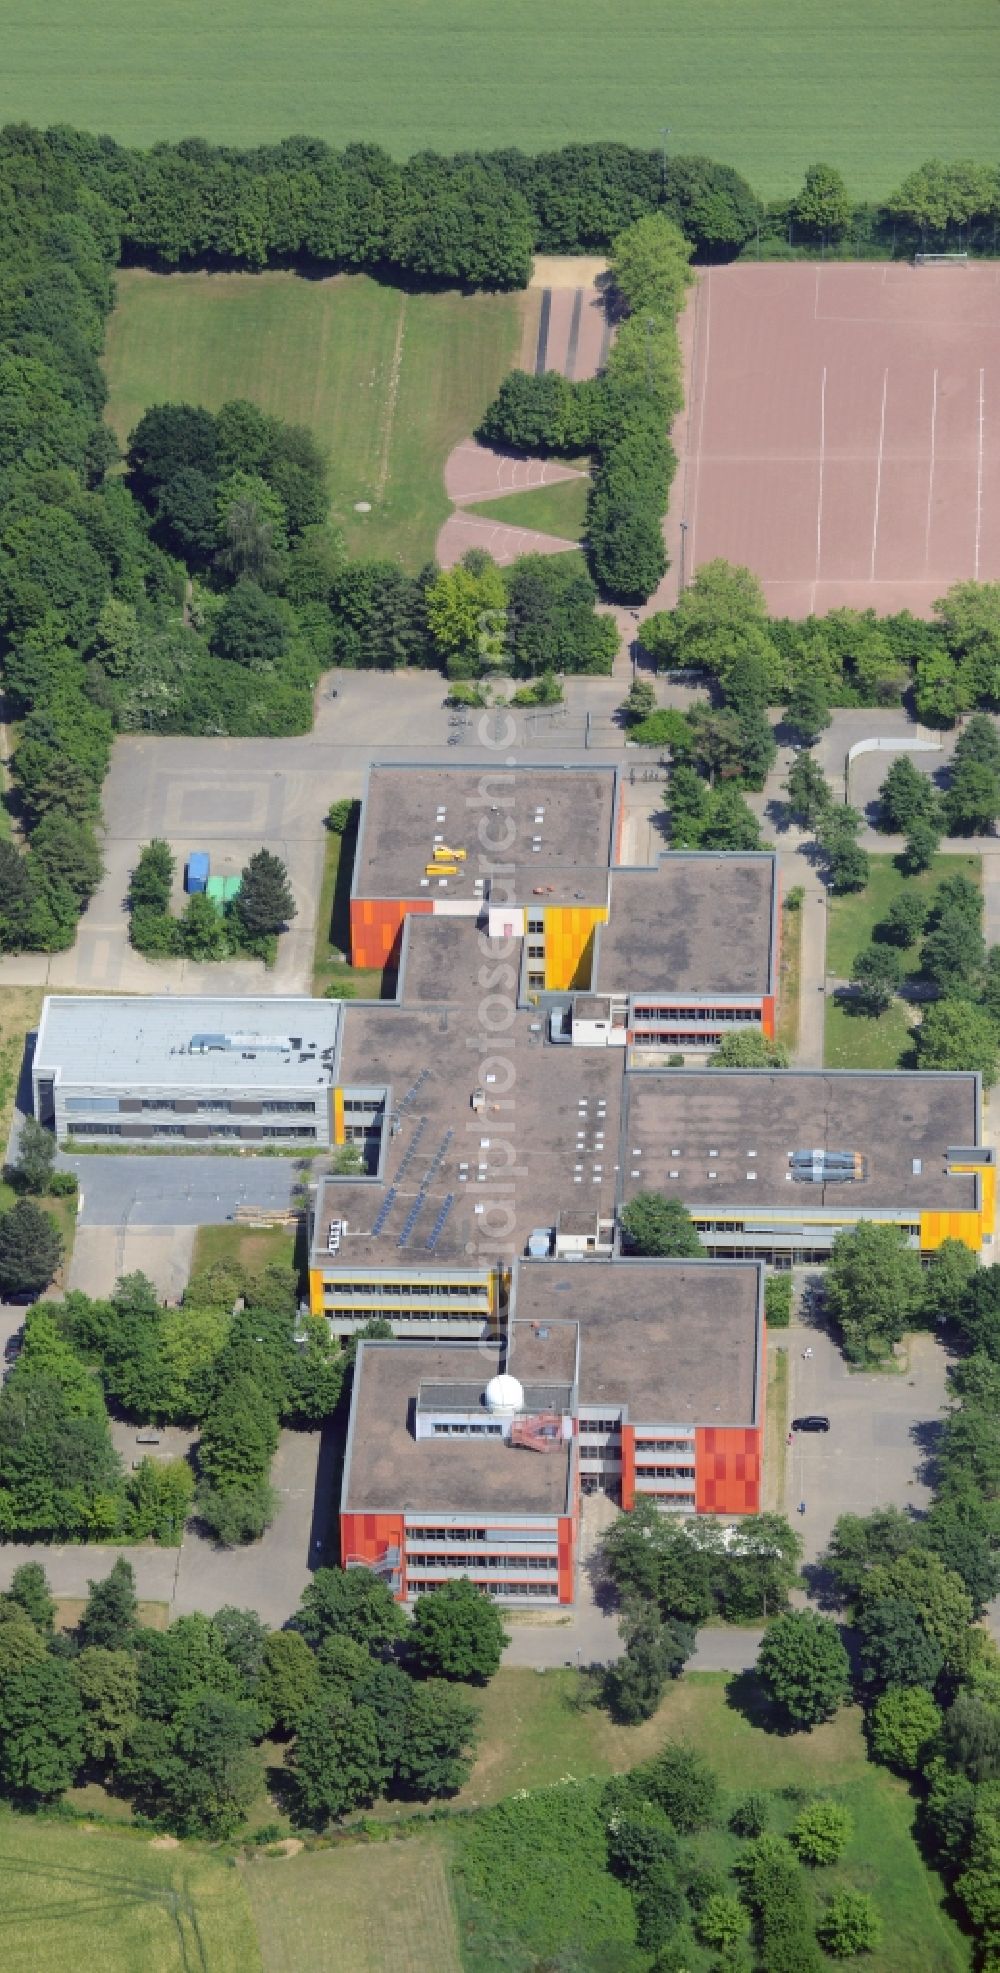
[814,1421]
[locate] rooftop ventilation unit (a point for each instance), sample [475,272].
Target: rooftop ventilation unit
[262,1044]
[819,1167]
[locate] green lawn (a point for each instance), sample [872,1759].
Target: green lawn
[855,1041]
[244,1246]
[388,381]
[86,1897]
[850,919]
[768,85]
[559,509]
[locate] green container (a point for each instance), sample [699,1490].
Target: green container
[216,889]
[231,887]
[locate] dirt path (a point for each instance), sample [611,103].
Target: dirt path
[391,400]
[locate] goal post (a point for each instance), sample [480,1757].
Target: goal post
[940,259]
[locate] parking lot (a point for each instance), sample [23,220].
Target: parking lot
[881,1424]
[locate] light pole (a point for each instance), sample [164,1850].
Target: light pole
[664,134]
[680,573]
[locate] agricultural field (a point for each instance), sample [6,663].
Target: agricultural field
[80,1896]
[768,85]
[388,381]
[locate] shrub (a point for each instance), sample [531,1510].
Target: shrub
[849,1925]
[902,1727]
[822,1832]
[778,1301]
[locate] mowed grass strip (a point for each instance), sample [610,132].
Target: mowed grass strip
[81,1898]
[388,381]
[366,1908]
[767,85]
[559,510]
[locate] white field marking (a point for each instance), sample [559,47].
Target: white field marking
[690,568]
[822,461]
[979,468]
[930,477]
[878,471]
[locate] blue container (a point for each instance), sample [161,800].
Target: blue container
[196,873]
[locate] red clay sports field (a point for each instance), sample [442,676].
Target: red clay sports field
[842,432]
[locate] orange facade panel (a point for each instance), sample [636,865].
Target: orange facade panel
[628,1466]
[567,1556]
[376,923]
[728,1469]
[767,1015]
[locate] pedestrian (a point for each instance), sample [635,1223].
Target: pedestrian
[802,1507]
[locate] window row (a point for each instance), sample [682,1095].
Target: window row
[664,1472]
[518,1563]
[727,1015]
[484,1431]
[299,1132]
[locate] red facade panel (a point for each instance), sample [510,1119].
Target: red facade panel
[365,1538]
[376,924]
[728,1470]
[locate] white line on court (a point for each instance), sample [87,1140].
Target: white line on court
[979,469]
[930,477]
[822,462]
[701,427]
[878,470]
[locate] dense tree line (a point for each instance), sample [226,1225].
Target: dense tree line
[476,218]
[174,1719]
[929,1675]
[622,418]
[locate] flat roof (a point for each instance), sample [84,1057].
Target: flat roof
[698,923]
[125,1040]
[546,1138]
[676,1341]
[387,1468]
[738,1122]
[548,825]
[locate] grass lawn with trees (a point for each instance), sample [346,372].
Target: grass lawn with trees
[560,509]
[852,918]
[535,1735]
[333,927]
[84,1896]
[768,86]
[857,1041]
[387,381]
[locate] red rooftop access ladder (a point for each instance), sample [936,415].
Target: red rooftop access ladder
[541,1433]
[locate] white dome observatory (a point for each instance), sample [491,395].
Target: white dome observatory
[504,1395]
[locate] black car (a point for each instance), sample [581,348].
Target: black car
[813,1421]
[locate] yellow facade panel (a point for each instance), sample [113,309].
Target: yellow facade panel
[315,1291]
[569,945]
[339,1134]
